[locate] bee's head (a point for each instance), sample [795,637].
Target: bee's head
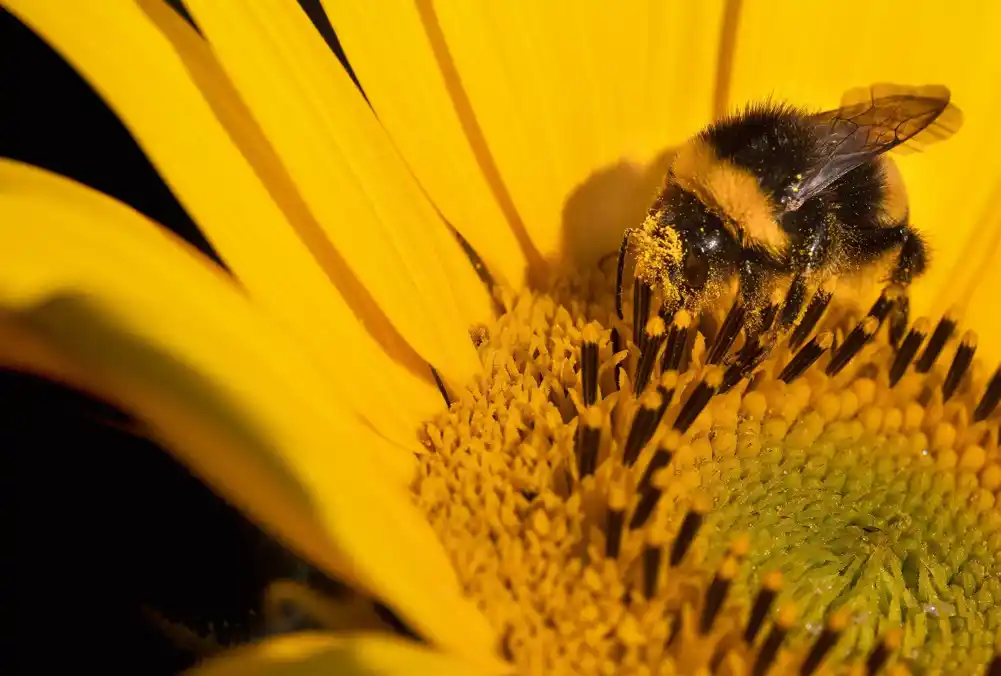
[708,254]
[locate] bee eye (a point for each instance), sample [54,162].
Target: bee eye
[696,269]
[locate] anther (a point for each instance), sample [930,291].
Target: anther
[828,638]
[587,440]
[770,648]
[644,425]
[750,357]
[908,349]
[589,365]
[806,357]
[853,344]
[615,519]
[887,299]
[668,383]
[648,492]
[652,555]
[686,535]
[989,401]
[794,301]
[881,653]
[768,315]
[994,668]
[677,338]
[717,592]
[619,269]
[653,338]
[943,331]
[697,401]
[814,311]
[762,605]
[727,333]
[641,310]
[960,364]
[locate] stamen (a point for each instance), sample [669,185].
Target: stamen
[619,269]
[853,344]
[641,310]
[881,653]
[794,301]
[887,298]
[652,340]
[587,441]
[770,587]
[908,349]
[652,555]
[644,425]
[727,333]
[991,397]
[943,331]
[686,535]
[814,311]
[994,668]
[700,396]
[960,364]
[677,338]
[615,519]
[649,493]
[806,357]
[770,648]
[826,641]
[717,593]
[754,352]
[589,365]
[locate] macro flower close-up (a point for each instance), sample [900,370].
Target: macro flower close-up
[503,344]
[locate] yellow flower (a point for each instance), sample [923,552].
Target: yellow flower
[301,391]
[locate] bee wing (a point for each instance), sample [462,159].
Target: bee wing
[871,122]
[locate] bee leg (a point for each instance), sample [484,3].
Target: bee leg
[620,269]
[912,259]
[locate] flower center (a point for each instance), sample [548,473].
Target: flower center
[675,495]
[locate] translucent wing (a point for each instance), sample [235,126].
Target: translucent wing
[869,123]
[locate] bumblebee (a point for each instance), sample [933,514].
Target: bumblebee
[782,200]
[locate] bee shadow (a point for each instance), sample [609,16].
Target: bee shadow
[599,210]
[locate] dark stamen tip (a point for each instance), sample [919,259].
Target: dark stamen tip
[762,605]
[717,592]
[727,334]
[677,338]
[943,331]
[589,365]
[960,364]
[856,340]
[653,338]
[887,299]
[587,441]
[814,311]
[770,647]
[989,401]
[652,556]
[686,535]
[806,357]
[827,639]
[907,350]
[441,386]
[881,653]
[613,532]
[641,310]
[643,427]
[698,400]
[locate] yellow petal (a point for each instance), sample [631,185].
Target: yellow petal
[417,98]
[578,101]
[350,176]
[142,75]
[811,54]
[307,654]
[154,327]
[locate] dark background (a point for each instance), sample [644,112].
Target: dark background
[96,523]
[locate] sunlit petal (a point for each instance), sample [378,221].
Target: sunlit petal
[813,54]
[415,94]
[155,328]
[578,101]
[139,72]
[325,654]
[350,176]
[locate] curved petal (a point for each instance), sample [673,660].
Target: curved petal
[149,80]
[141,319]
[799,52]
[381,222]
[578,102]
[413,91]
[307,654]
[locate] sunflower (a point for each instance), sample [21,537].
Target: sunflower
[575,508]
